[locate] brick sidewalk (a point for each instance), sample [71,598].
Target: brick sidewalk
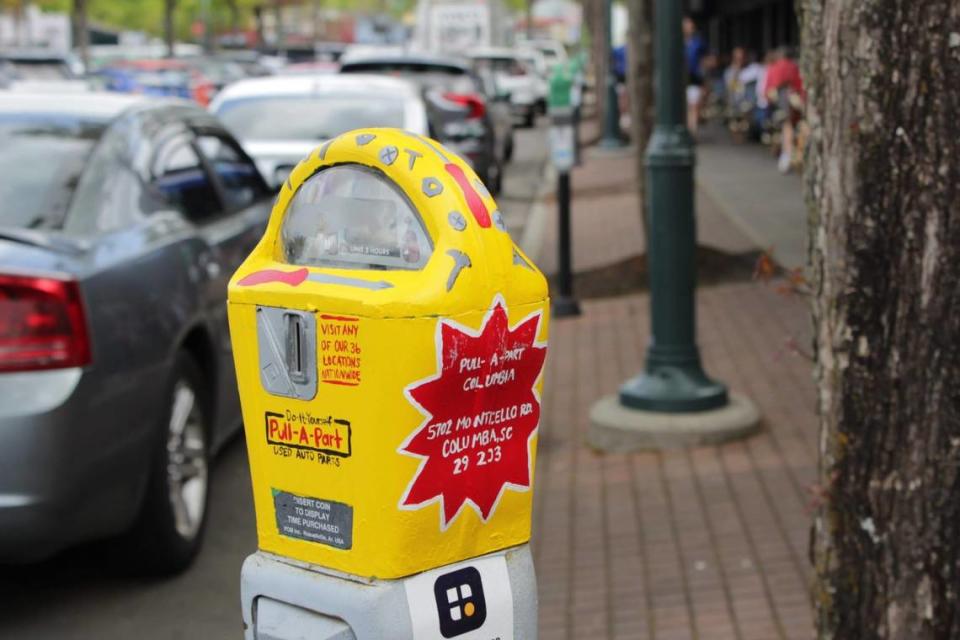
[606,220]
[701,544]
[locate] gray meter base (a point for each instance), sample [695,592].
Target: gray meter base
[493,597]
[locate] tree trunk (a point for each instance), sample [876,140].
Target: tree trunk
[81,33]
[640,87]
[317,21]
[169,33]
[528,17]
[278,18]
[883,190]
[234,9]
[596,18]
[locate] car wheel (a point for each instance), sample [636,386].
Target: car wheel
[173,517]
[530,118]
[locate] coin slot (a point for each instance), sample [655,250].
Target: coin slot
[295,341]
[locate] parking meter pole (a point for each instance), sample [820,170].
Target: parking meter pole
[612,137]
[673,380]
[564,304]
[563,153]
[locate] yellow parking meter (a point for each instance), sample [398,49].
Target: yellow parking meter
[389,340]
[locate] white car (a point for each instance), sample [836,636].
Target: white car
[281,119]
[553,52]
[519,73]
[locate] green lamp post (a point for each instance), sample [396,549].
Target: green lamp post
[673,380]
[612,137]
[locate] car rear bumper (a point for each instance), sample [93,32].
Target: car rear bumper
[72,459]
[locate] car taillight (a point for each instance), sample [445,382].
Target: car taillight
[475,104]
[42,325]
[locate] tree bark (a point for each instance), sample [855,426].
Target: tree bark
[169,31]
[640,88]
[234,10]
[883,191]
[528,19]
[595,15]
[278,18]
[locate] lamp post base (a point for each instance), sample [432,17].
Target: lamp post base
[564,307]
[618,429]
[611,143]
[673,389]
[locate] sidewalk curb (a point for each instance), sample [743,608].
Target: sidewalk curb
[741,224]
[531,243]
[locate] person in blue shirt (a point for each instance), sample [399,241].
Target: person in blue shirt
[695,49]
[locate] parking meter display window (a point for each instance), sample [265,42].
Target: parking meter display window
[353,217]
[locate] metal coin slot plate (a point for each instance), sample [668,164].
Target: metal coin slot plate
[287,351]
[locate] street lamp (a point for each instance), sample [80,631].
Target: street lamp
[673,380]
[672,403]
[612,138]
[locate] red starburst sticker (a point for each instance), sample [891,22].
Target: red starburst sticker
[481,410]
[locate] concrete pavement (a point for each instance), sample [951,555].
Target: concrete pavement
[767,206]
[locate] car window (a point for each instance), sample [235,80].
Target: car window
[40,70]
[428,76]
[240,178]
[310,118]
[113,193]
[42,157]
[181,178]
[499,65]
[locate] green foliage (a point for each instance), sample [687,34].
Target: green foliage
[147,15]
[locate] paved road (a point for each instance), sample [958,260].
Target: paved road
[81,595]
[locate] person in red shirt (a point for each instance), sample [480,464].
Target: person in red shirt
[783,86]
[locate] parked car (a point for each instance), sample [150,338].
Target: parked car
[41,69]
[514,75]
[121,220]
[281,119]
[537,63]
[317,67]
[554,53]
[461,113]
[162,77]
[40,64]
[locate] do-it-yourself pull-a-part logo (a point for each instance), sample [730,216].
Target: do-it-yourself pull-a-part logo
[481,411]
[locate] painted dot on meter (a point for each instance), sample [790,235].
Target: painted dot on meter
[365,138]
[481,188]
[498,221]
[322,154]
[432,187]
[389,155]
[457,221]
